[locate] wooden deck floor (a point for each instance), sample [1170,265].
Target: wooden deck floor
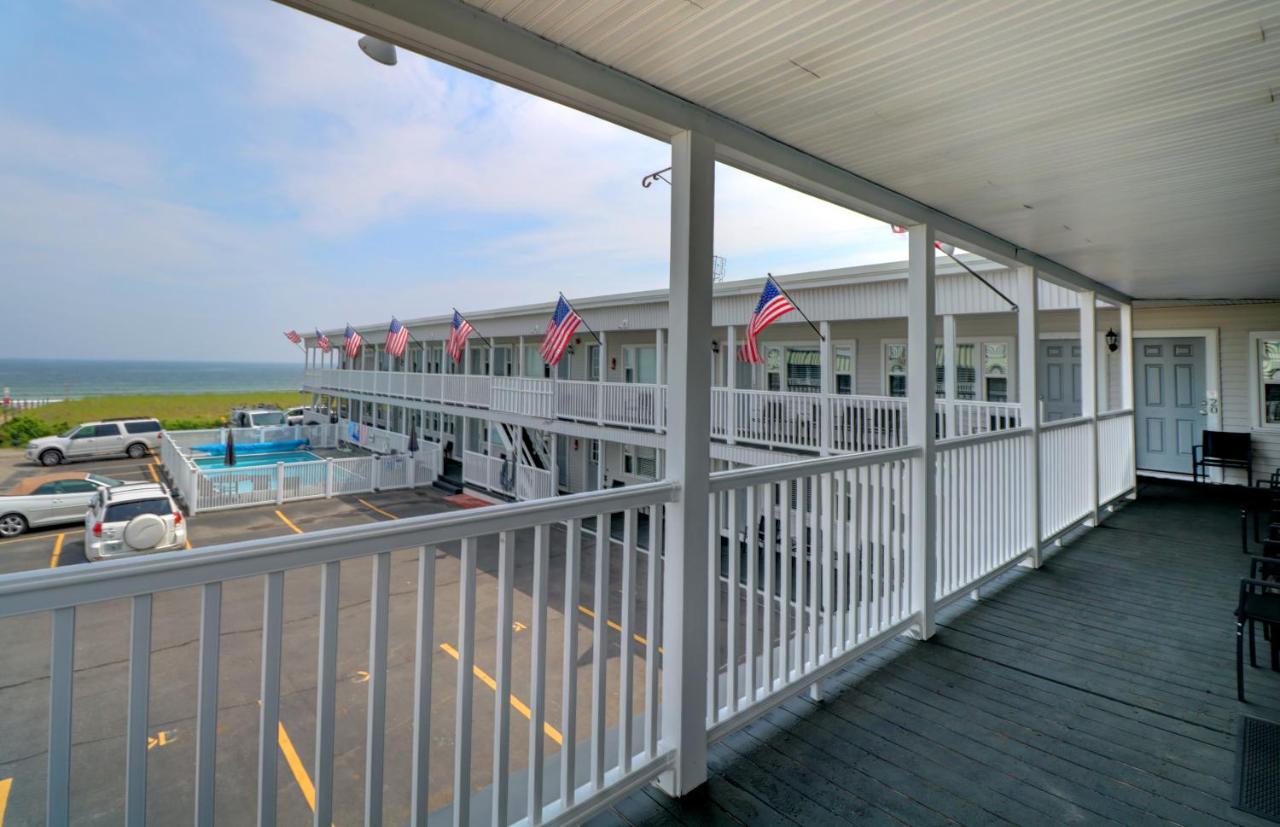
[1099,689]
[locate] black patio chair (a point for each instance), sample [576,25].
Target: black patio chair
[1222,449]
[1259,602]
[1266,508]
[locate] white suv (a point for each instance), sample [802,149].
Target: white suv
[132,519]
[111,437]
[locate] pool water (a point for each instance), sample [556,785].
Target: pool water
[255,460]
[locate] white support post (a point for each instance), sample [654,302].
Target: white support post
[520,367]
[660,350]
[920,421]
[826,356]
[1126,387]
[684,609]
[949,374]
[603,369]
[279,483]
[731,384]
[1089,390]
[555,464]
[1029,396]
[328,477]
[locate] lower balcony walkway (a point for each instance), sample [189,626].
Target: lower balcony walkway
[1099,689]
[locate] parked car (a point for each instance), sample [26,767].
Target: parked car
[132,519]
[49,499]
[295,416]
[133,437]
[256,417]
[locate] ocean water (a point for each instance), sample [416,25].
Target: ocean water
[78,378]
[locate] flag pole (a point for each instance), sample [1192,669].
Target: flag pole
[473,330]
[971,272]
[796,306]
[584,321]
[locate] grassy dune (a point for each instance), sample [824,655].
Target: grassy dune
[175,411]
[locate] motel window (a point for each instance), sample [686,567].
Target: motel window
[640,461]
[1267,377]
[773,367]
[640,364]
[966,375]
[593,362]
[844,370]
[995,371]
[502,360]
[804,370]
[895,356]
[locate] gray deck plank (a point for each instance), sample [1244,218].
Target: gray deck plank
[1099,689]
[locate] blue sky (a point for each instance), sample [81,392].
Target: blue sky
[186,180]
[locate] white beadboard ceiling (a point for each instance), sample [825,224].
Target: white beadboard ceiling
[1135,142]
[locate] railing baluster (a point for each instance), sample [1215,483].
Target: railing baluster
[626,664]
[538,669]
[802,553]
[769,580]
[375,734]
[502,702]
[326,677]
[753,557]
[424,651]
[569,678]
[466,664]
[135,762]
[731,606]
[207,702]
[600,651]
[784,605]
[269,713]
[653,599]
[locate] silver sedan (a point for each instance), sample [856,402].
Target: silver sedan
[49,499]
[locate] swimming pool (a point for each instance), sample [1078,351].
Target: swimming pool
[255,460]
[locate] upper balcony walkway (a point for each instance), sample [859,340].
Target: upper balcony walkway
[772,419]
[1098,689]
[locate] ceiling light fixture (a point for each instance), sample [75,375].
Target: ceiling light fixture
[379,50]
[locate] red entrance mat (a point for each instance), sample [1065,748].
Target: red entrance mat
[466,501]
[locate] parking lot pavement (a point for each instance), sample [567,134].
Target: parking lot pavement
[101,670]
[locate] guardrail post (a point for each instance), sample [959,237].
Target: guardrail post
[279,483]
[328,477]
[1029,396]
[685,576]
[1089,390]
[921,428]
[375,472]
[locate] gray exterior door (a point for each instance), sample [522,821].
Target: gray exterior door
[1060,378]
[1170,415]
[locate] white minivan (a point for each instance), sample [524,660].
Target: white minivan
[132,437]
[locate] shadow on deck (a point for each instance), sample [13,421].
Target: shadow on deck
[1100,689]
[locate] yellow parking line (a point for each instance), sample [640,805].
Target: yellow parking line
[288,522]
[370,505]
[57,551]
[641,639]
[295,766]
[5,785]
[516,703]
[154,476]
[188,544]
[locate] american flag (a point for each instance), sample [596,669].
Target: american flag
[772,306]
[397,338]
[351,342]
[459,330]
[322,341]
[292,335]
[560,329]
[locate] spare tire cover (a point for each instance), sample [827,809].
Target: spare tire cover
[145,531]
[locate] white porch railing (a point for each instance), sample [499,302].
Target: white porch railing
[596,755]
[1066,452]
[812,567]
[769,418]
[1115,454]
[983,506]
